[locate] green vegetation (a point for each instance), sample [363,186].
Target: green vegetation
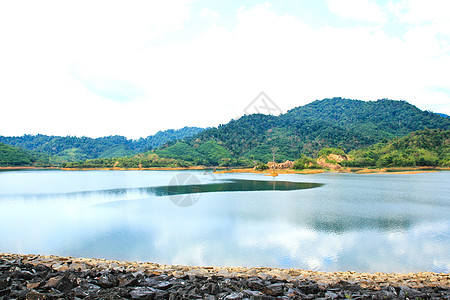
[327,151]
[16,157]
[207,154]
[143,160]
[214,153]
[305,162]
[330,126]
[429,147]
[262,167]
[330,123]
[70,148]
[183,151]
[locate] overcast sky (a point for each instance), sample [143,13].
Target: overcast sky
[131,68]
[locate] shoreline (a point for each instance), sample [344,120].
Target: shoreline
[363,171]
[403,170]
[374,280]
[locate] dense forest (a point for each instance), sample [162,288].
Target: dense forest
[142,160]
[71,148]
[339,123]
[420,148]
[178,155]
[430,147]
[11,156]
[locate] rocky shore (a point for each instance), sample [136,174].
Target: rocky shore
[37,277]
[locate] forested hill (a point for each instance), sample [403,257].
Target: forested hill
[429,147]
[70,148]
[336,122]
[11,156]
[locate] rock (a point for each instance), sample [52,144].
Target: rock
[18,294]
[164,285]
[331,295]
[124,282]
[142,293]
[256,284]
[215,289]
[275,289]
[223,273]
[106,281]
[34,285]
[235,296]
[27,275]
[41,268]
[79,292]
[198,272]
[309,288]
[383,294]
[279,274]
[78,267]
[410,293]
[252,272]
[177,274]
[89,288]
[62,283]
[19,280]
[35,296]
[254,294]
[4,292]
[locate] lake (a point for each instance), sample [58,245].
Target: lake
[326,222]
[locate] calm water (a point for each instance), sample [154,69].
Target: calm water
[329,222]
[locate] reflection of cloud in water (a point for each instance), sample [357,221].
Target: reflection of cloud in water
[362,223]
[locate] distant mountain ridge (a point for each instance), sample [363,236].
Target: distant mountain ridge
[70,148]
[329,123]
[336,122]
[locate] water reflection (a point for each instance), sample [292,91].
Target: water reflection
[229,185]
[232,185]
[329,222]
[342,225]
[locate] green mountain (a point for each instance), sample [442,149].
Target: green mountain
[330,123]
[11,156]
[338,123]
[430,147]
[71,148]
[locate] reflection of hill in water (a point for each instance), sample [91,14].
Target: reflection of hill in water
[355,223]
[233,185]
[311,217]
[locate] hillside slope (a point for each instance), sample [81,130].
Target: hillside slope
[11,156]
[71,148]
[337,122]
[420,148]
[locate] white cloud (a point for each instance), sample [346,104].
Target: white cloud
[417,11]
[208,12]
[362,10]
[162,82]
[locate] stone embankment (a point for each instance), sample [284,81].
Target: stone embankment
[38,277]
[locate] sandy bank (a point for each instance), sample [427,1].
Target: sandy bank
[344,170]
[283,171]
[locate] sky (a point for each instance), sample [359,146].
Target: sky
[107,67]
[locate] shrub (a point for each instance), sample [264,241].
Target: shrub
[262,167]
